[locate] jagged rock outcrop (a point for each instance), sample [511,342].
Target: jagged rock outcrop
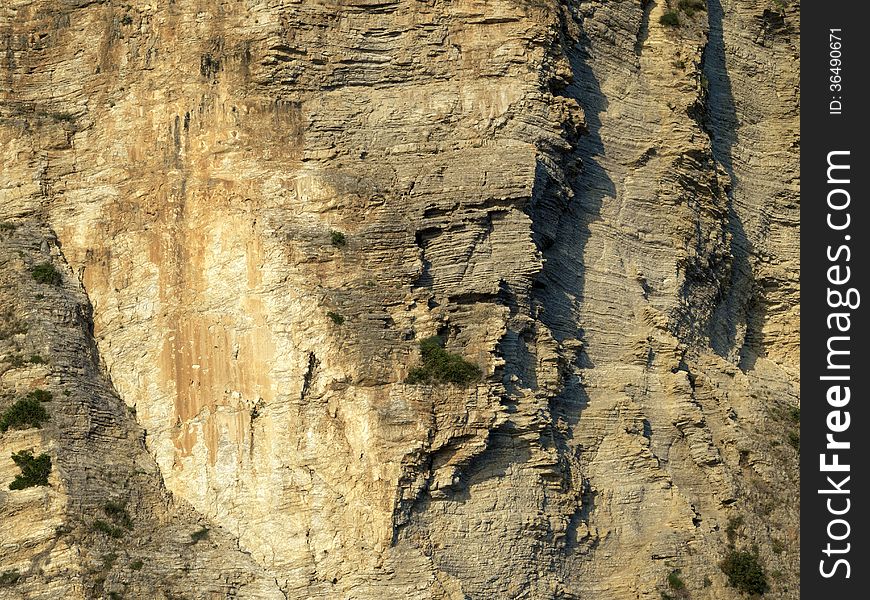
[258,209]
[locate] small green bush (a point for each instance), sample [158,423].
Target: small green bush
[40,395]
[795,414]
[34,470]
[137,565]
[108,529]
[440,366]
[7,226]
[744,572]
[117,511]
[46,273]
[731,529]
[36,359]
[794,440]
[677,586]
[197,536]
[336,318]
[670,19]
[674,580]
[23,415]
[338,238]
[8,578]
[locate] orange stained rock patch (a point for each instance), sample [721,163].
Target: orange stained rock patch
[217,372]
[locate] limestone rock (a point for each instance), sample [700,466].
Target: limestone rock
[258,209]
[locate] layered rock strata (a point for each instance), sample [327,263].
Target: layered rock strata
[260,208]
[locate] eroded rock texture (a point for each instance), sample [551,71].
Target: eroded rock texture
[599,210]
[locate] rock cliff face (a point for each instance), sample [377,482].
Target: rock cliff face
[257,209]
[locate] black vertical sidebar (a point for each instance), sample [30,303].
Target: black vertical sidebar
[835,299]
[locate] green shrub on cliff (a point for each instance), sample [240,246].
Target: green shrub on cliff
[745,572]
[670,19]
[40,395]
[440,366]
[45,273]
[337,238]
[34,470]
[117,511]
[23,415]
[108,529]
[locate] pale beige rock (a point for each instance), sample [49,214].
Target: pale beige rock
[584,202]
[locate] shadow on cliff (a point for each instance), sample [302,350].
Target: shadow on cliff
[570,189]
[560,288]
[564,273]
[740,304]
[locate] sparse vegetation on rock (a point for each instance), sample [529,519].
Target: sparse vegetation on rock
[734,524]
[440,366]
[199,535]
[337,238]
[117,511]
[34,470]
[677,586]
[24,414]
[744,572]
[670,19]
[46,273]
[794,440]
[108,529]
[40,395]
